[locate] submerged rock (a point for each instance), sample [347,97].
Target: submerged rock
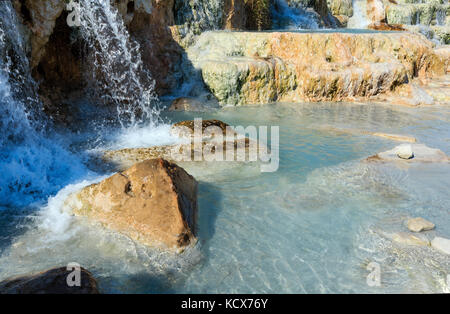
[419,224]
[404,153]
[53,281]
[441,244]
[153,202]
[253,68]
[395,137]
[410,239]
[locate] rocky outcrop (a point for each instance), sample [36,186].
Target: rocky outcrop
[254,68]
[428,17]
[411,153]
[53,281]
[341,9]
[159,26]
[153,202]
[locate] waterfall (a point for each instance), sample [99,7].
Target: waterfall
[118,71]
[32,165]
[292,16]
[359,18]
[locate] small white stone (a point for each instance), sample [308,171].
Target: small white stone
[405,151]
[419,224]
[441,244]
[410,239]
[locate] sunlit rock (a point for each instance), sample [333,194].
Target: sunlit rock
[153,202]
[420,152]
[405,151]
[410,239]
[419,224]
[441,244]
[53,281]
[376,11]
[341,9]
[253,68]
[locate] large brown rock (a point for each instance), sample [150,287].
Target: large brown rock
[53,281]
[153,202]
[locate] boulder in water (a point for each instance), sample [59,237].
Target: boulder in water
[419,224]
[441,244]
[153,202]
[53,281]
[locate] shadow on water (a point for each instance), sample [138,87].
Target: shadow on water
[137,283]
[209,205]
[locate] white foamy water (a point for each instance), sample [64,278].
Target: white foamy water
[119,74]
[33,165]
[143,136]
[359,18]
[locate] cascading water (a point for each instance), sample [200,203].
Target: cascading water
[359,19]
[119,72]
[292,16]
[33,166]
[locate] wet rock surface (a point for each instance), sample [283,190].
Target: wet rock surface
[255,68]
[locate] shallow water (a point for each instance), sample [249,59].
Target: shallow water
[312,226]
